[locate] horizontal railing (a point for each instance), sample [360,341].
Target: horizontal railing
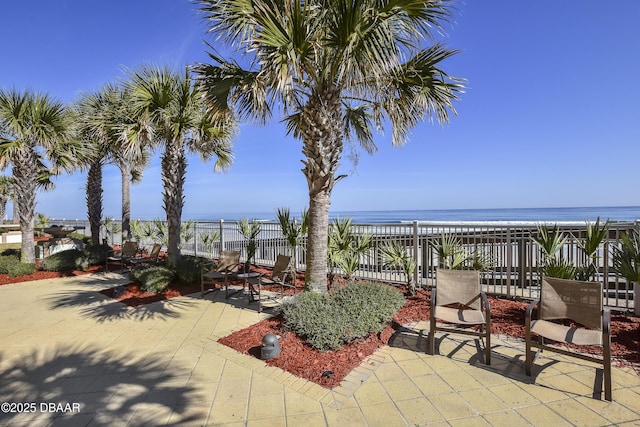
[515,257]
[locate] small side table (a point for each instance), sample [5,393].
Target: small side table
[247,282]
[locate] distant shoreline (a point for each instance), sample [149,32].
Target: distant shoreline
[498,215]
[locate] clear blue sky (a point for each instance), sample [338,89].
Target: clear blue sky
[550,118]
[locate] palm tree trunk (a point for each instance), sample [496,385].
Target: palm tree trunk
[94,201]
[25,175]
[322,146]
[3,208]
[174,166]
[125,174]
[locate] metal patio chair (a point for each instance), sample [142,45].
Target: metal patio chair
[228,264]
[279,276]
[123,255]
[577,301]
[458,300]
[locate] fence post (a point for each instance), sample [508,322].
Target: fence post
[509,260]
[415,253]
[221,235]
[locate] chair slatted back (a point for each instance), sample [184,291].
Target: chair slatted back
[571,299]
[458,287]
[281,268]
[129,249]
[229,261]
[155,252]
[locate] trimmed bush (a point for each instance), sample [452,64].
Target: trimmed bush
[72,259]
[21,268]
[327,321]
[7,261]
[11,252]
[153,279]
[97,255]
[188,270]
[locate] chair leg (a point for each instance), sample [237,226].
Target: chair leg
[528,356]
[487,349]
[607,374]
[432,336]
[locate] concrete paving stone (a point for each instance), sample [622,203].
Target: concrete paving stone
[383,415]
[418,411]
[505,419]
[233,389]
[297,404]
[267,422]
[371,393]
[228,411]
[613,411]
[261,385]
[577,413]
[544,394]
[307,420]
[415,367]
[514,396]
[401,389]
[460,380]
[567,384]
[431,384]
[484,401]
[451,406]
[476,421]
[442,364]
[266,406]
[541,415]
[388,370]
[344,417]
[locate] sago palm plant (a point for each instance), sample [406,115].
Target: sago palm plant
[250,231]
[395,255]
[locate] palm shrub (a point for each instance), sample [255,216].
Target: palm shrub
[208,239]
[395,255]
[110,227]
[453,255]
[41,221]
[589,247]
[292,230]
[345,248]
[153,278]
[187,232]
[551,241]
[327,321]
[250,231]
[626,262]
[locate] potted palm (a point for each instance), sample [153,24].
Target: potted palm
[626,262]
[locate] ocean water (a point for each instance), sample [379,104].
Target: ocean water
[577,214]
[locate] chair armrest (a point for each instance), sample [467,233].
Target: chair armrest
[485,302]
[433,298]
[529,312]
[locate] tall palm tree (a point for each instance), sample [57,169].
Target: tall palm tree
[172,113]
[337,69]
[106,124]
[34,128]
[6,192]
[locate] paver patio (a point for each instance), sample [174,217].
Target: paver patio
[160,364]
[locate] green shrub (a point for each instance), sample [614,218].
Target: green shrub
[72,259]
[188,270]
[6,261]
[11,251]
[327,321]
[21,268]
[97,255]
[153,278]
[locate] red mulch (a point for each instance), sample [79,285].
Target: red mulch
[5,279]
[329,368]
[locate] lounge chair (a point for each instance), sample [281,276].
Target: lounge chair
[123,255]
[279,275]
[580,302]
[152,258]
[228,264]
[458,299]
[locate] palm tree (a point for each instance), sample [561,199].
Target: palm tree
[34,128]
[172,112]
[106,124]
[6,192]
[336,69]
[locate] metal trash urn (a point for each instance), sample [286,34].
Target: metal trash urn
[270,347]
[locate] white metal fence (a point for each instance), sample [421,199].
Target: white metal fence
[515,256]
